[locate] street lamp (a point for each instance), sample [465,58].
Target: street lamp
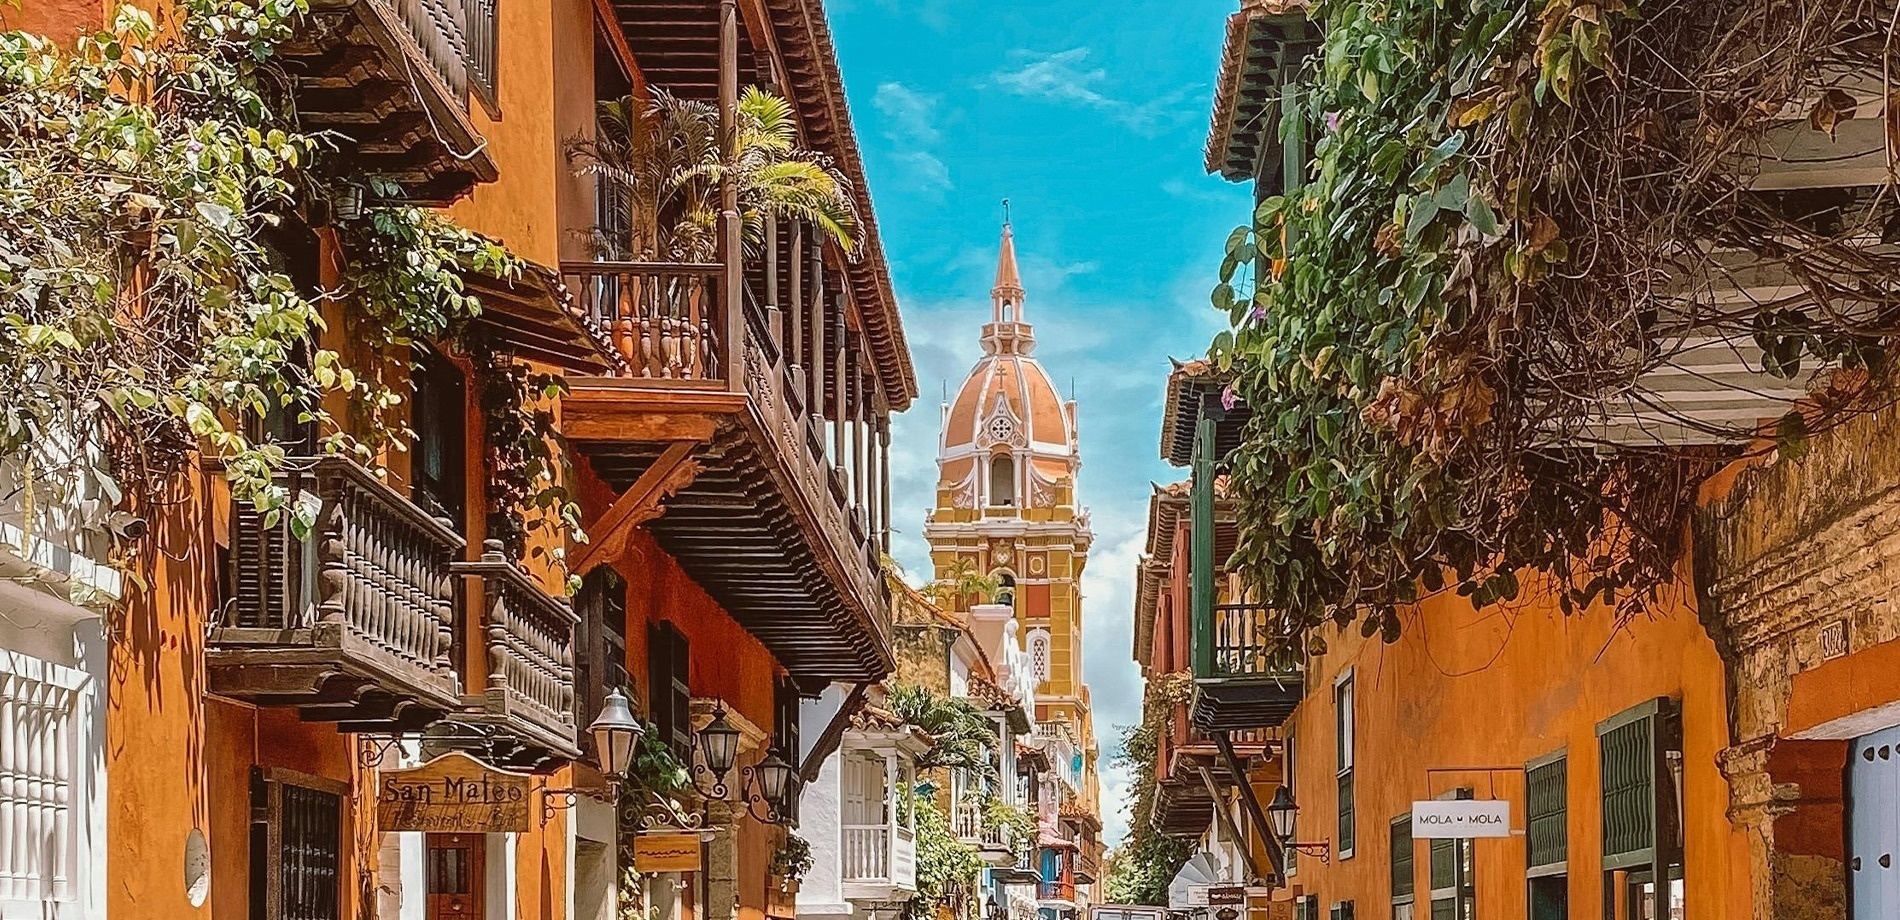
[772,778]
[1280,813]
[616,735]
[718,745]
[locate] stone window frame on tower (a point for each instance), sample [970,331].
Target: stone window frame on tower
[1003,461]
[1039,645]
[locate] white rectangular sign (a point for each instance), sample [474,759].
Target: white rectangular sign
[1461,818]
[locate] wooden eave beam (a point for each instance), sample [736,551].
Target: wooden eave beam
[609,23]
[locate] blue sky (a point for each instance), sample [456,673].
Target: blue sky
[1090,118]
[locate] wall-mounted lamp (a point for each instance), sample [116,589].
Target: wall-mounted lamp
[1280,813]
[616,736]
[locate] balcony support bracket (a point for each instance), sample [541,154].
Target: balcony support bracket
[1251,802]
[675,470]
[833,735]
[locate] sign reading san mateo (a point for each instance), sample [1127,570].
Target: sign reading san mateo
[454,793]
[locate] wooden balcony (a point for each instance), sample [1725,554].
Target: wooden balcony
[718,445]
[352,623]
[1182,809]
[1058,892]
[389,80]
[1243,678]
[528,693]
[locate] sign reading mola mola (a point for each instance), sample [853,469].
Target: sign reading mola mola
[1441,818]
[454,794]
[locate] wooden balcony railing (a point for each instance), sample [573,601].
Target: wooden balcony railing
[369,582]
[529,636]
[670,324]
[665,319]
[1243,645]
[1056,891]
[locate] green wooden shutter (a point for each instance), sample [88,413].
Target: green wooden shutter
[1627,755]
[1402,882]
[1545,812]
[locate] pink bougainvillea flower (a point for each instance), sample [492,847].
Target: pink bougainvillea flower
[1228,398]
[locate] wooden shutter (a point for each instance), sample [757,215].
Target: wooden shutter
[668,661]
[1545,810]
[1628,757]
[296,846]
[789,745]
[1401,856]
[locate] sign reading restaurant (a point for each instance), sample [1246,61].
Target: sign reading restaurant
[1461,818]
[454,793]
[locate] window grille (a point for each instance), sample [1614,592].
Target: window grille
[39,752]
[296,847]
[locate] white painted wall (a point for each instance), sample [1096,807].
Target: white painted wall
[821,893]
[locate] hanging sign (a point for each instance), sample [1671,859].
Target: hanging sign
[455,794]
[1226,894]
[666,853]
[1461,818]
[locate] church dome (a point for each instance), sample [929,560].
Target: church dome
[1007,408]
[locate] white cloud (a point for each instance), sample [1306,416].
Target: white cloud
[910,115]
[1066,77]
[910,121]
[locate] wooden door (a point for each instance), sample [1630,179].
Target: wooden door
[455,877]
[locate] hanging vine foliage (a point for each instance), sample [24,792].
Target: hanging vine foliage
[1515,209]
[1147,860]
[146,316]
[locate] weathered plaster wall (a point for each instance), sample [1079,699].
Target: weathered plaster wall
[1800,558]
[1498,687]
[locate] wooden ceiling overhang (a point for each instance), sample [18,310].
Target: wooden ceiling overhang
[1192,387]
[1182,808]
[534,317]
[746,527]
[359,77]
[675,44]
[1263,39]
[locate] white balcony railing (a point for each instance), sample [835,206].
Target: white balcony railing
[878,854]
[867,853]
[969,821]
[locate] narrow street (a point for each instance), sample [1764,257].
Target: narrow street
[475,460]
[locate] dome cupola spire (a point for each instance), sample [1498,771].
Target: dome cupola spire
[1007,331]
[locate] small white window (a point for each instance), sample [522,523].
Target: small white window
[39,752]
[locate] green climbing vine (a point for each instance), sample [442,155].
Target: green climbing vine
[1146,861]
[1510,210]
[152,186]
[945,865]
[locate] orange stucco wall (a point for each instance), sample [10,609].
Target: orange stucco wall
[60,20]
[726,662]
[156,726]
[1498,687]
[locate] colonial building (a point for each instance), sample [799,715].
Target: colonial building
[1726,755]
[1007,509]
[726,421]
[1208,785]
